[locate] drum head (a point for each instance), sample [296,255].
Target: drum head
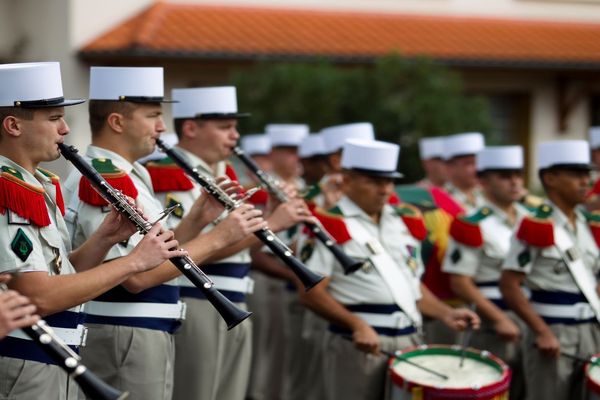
[481,375]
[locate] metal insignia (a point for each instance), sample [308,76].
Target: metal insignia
[57,261]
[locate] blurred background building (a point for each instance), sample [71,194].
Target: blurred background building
[536,62]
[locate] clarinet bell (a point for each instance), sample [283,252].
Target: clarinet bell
[231,314]
[96,389]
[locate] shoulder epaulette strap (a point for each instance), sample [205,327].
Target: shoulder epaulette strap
[537,230]
[413,219]
[22,198]
[55,179]
[593,220]
[333,222]
[466,230]
[167,176]
[116,177]
[313,191]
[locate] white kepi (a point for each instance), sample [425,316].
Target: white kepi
[335,136]
[371,157]
[217,102]
[286,135]
[311,146]
[571,154]
[32,85]
[463,144]
[595,137]
[134,84]
[431,147]
[256,144]
[500,158]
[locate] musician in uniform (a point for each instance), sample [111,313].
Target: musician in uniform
[35,239]
[379,306]
[210,363]
[134,322]
[555,254]
[478,245]
[459,154]
[593,198]
[431,152]
[312,158]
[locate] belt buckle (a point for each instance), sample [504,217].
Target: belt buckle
[182,310]
[584,311]
[84,333]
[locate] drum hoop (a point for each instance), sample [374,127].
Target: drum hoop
[492,389]
[594,362]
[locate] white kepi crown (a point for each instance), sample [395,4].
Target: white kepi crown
[32,85]
[135,84]
[371,157]
[312,145]
[500,158]
[218,102]
[286,135]
[572,154]
[595,137]
[431,147]
[254,145]
[335,136]
[463,144]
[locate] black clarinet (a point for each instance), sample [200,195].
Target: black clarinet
[232,314]
[93,387]
[348,263]
[306,276]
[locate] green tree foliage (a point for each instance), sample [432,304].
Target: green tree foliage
[404,99]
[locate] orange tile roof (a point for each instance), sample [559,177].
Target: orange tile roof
[199,31]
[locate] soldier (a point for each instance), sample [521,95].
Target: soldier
[134,322]
[459,153]
[378,307]
[314,163]
[555,254]
[211,363]
[593,199]
[477,248]
[34,237]
[431,151]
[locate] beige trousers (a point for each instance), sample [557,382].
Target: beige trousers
[31,380]
[137,360]
[353,375]
[211,362]
[560,378]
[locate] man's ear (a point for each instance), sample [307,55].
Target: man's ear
[12,126]
[115,122]
[189,129]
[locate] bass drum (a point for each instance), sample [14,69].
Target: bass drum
[482,376]
[592,376]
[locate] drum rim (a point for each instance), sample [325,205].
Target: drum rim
[594,362]
[492,389]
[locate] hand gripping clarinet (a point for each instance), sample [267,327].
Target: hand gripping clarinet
[306,276]
[229,311]
[93,387]
[348,263]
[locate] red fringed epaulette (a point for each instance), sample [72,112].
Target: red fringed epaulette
[593,220]
[168,177]
[595,189]
[413,219]
[55,179]
[465,229]
[22,198]
[230,172]
[333,222]
[537,230]
[259,198]
[117,178]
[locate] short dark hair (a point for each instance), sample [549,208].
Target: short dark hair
[178,124]
[99,111]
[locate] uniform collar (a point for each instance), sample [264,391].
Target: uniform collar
[502,216]
[560,217]
[32,179]
[197,162]
[352,210]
